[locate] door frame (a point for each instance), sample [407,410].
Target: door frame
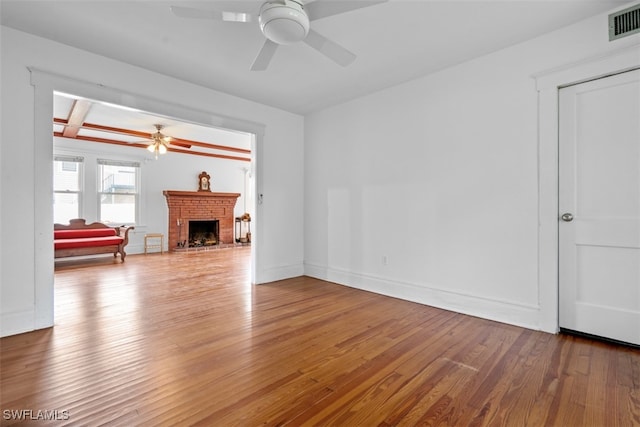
[548,84]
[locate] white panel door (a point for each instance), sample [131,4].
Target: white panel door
[599,203]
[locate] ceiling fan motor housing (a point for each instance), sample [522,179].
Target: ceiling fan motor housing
[284,22]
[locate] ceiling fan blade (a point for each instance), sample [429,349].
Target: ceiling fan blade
[330,49]
[218,15]
[178,143]
[321,9]
[264,56]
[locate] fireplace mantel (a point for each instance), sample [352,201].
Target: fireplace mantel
[175,193]
[185,206]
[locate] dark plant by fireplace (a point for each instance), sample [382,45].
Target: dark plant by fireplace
[204,233]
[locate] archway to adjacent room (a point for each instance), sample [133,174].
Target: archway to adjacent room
[46,84]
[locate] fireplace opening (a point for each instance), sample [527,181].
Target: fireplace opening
[204,233]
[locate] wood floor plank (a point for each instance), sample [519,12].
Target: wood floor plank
[185,339]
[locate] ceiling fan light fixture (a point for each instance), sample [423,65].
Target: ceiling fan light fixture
[157,147]
[284,22]
[159,142]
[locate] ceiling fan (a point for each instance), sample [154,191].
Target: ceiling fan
[159,141]
[284,22]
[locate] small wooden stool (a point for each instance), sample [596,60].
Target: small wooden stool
[154,236]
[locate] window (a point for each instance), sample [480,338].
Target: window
[118,190]
[67,188]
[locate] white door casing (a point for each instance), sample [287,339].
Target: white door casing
[599,185]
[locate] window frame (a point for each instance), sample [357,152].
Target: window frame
[80,192]
[136,193]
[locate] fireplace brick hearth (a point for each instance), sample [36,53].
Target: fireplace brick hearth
[185,206]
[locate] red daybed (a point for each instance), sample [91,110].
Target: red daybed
[79,238]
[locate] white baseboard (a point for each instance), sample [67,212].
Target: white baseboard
[17,322]
[526,316]
[273,274]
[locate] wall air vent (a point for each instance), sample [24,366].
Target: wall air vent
[624,22]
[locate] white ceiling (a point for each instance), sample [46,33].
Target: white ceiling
[395,41]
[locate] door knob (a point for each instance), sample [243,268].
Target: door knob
[567,217]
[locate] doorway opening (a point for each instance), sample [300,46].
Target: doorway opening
[46,85]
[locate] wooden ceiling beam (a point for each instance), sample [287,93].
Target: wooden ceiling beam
[175,141]
[210,146]
[77,115]
[138,145]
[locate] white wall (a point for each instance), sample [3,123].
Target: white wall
[26,296]
[429,190]
[171,171]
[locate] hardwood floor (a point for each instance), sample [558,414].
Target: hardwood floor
[184,339]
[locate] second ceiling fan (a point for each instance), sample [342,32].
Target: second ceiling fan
[285,22]
[158,142]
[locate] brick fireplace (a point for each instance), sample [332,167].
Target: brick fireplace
[185,206]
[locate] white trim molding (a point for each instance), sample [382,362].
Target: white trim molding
[503,311]
[15,322]
[274,274]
